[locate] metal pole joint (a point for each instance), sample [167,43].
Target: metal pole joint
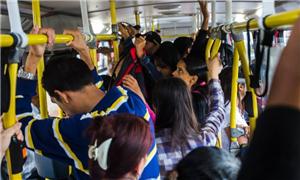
[237,36]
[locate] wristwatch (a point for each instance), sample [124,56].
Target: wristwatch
[26,75]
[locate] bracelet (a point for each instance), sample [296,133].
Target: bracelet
[26,75]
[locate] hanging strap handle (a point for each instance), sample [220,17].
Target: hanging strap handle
[259,54]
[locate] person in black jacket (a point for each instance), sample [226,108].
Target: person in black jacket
[274,152]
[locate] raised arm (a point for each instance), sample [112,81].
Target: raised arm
[49,137]
[205,14]
[80,46]
[214,119]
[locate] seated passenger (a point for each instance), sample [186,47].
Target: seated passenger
[226,78]
[119,146]
[193,71]
[274,151]
[177,129]
[74,86]
[208,163]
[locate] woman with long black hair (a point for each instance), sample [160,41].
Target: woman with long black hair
[193,72]
[177,129]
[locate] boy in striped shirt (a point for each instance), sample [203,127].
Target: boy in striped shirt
[74,85]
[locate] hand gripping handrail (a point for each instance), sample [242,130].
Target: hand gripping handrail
[14,154]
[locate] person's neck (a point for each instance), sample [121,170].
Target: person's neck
[91,97]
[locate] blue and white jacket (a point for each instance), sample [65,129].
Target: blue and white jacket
[64,139]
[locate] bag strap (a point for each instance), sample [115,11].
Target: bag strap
[130,67]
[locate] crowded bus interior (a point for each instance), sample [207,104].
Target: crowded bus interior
[144,90]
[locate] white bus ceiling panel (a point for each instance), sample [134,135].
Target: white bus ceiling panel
[158,10]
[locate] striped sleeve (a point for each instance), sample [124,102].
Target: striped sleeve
[128,102]
[98,81]
[213,121]
[50,137]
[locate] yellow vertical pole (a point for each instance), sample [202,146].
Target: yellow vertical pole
[245,65]
[152,25]
[210,42]
[9,118]
[93,54]
[214,52]
[233,101]
[41,66]
[113,14]
[137,18]
[216,47]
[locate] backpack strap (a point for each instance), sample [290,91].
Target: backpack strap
[131,66]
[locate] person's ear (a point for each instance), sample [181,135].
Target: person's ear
[63,97]
[193,80]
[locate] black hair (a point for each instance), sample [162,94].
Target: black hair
[200,103]
[208,163]
[167,55]
[197,67]
[226,78]
[66,73]
[174,109]
[137,27]
[182,44]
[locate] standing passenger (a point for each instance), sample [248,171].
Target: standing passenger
[119,146]
[226,78]
[71,84]
[274,152]
[183,46]
[178,131]
[194,73]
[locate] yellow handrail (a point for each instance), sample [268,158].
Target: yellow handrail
[175,36]
[9,118]
[216,47]
[214,51]
[152,25]
[233,101]
[93,54]
[210,42]
[106,37]
[280,19]
[240,45]
[41,66]
[7,40]
[272,21]
[137,18]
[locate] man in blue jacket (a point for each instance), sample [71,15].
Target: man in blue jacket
[74,85]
